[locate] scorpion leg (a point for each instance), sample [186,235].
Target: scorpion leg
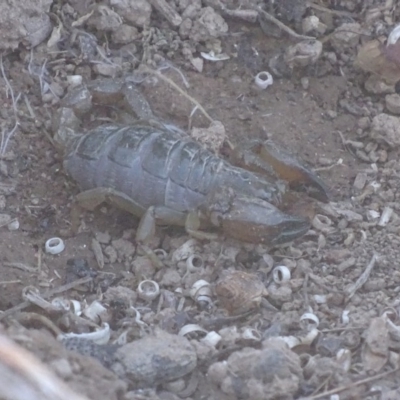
[90,199]
[165,216]
[192,227]
[266,158]
[123,94]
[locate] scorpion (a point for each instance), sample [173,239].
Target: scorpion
[158,173]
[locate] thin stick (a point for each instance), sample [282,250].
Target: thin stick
[45,295]
[338,163]
[350,291]
[167,12]
[8,84]
[21,266]
[176,87]
[318,281]
[351,385]
[282,26]
[6,138]
[9,282]
[329,11]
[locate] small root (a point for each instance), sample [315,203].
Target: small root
[10,282]
[45,295]
[176,87]
[352,385]
[5,137]
[282,26]
[363,277]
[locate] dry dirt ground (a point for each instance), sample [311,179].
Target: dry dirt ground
[309,119]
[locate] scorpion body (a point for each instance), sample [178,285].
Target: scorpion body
[155,167]
[157,172]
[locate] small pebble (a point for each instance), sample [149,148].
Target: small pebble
[360,181]
[393,103]
[13,225]
[305,83]
[103,237]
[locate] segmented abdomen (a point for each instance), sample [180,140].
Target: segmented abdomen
[152,167]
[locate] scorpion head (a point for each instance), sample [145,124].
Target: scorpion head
[253,220]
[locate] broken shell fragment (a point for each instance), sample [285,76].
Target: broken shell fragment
[161,254]
[393,36]
[343,358]
[281,274]
[211,56]
[385,216]
[372,214]
[309,321]
[212,339]
[320,298]
[322,223]
[185,251]
[345,317]
[74,80]
[201,292]
[94,311]
[54,246]
[306,340]
[390,313]
[76,307]
[263,79]
[313,24]
[101,336]
[194,263]
[251,334]
[148,290]
[67,305]
[190,328]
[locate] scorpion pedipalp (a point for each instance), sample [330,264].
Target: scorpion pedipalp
[254,220]
[266,158]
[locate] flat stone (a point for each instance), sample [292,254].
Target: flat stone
[393,103]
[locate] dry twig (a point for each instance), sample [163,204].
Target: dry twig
[351,385]
[45,295]
[330,11]
[176,87]
[5,137]
[350,291]
[282,26]
[24,377]
[167,12]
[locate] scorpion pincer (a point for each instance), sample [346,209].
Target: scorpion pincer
[154,172]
